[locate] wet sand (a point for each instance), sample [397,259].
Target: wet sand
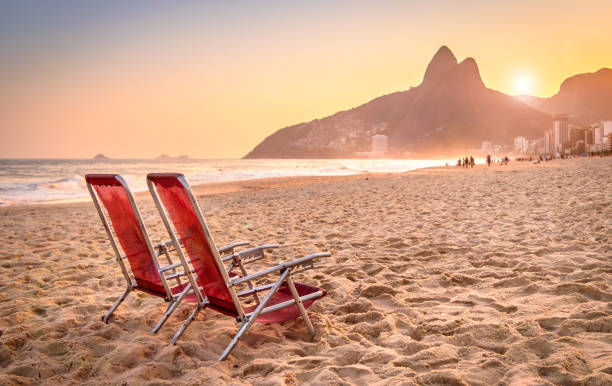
[484,276]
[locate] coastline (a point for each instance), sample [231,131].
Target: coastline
[437,275]
[212,188]
[280,182]
[50,182]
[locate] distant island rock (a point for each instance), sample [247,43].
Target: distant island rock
[163,157]
[100,157]
[166,157]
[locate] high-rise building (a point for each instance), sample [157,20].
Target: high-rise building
[588,136]
[521,144]
[487,147]
[532,146]
[597,134]
[577,135]
[540,147]
[607,127]
[560,133]
[379,143]
[548,142]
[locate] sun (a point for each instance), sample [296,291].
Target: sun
[523,84]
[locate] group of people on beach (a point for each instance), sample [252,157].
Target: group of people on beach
[502,161]
[466,162]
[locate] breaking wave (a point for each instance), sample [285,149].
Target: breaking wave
[43,181]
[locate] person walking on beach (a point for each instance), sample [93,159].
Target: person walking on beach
[489,160]
[466,161]
[471,161]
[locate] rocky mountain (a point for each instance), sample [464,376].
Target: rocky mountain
[450,111]
[585,98]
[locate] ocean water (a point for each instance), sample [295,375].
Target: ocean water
[37,181]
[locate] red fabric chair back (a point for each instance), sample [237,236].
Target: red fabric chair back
[172,190]
[115,197]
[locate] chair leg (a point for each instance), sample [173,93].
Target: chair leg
[106,317]
[248,323]
[245,326]
[170,310]
[300,306]
[186,324]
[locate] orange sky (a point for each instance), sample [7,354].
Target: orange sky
[212,81]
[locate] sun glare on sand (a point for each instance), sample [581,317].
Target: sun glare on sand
[523,84]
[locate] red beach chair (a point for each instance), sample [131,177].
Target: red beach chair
[283,299]
[127,233]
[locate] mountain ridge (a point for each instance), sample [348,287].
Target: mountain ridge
[585,98]
[450,111]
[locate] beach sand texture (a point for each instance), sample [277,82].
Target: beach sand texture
[485,276]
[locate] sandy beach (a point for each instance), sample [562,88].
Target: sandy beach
[484,276]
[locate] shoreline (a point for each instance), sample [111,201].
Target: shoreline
[212,188]
[222,187]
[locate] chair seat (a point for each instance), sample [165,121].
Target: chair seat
[159,291]
[192,297]
[282,295]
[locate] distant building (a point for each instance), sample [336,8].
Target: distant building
[379,144]
[540,147]
[577,140]
[560,133]
[531,146]
[487,147]
[607,127]
[597,134]
[548,142]
[521,144]
[589,136]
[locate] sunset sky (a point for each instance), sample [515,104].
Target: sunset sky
[135,79]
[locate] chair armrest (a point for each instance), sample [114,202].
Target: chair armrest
[169,267]
[166,245]
[251,254]
[179,274]
[302,261]
[231,247]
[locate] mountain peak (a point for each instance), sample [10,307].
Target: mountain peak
[452,110]
[469,69]
[442,61]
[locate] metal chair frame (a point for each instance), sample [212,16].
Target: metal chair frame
[240,259]
[166,273]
